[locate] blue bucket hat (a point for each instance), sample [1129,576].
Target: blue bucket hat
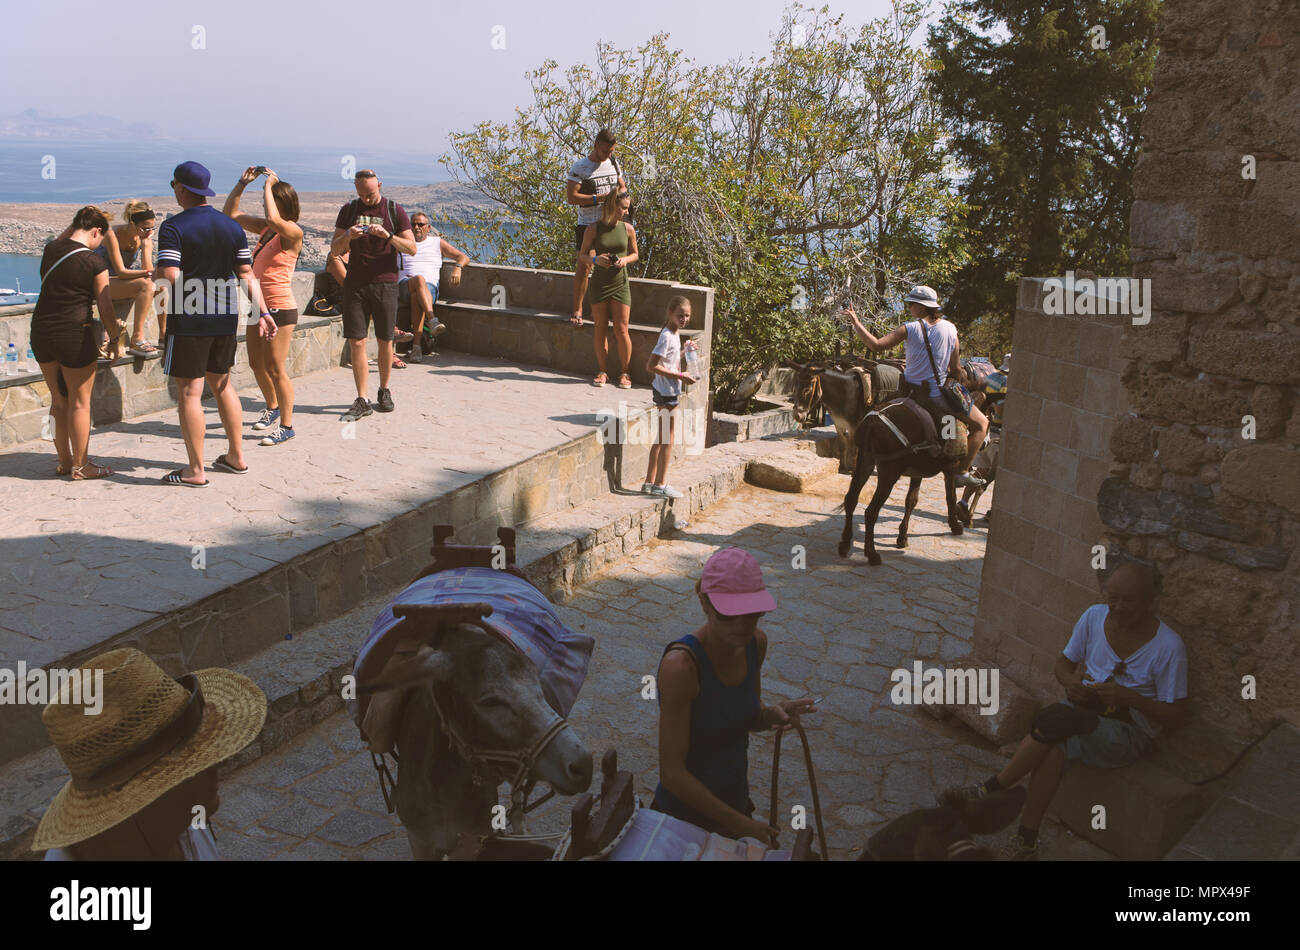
[193,177]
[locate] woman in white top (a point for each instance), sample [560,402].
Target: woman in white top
[919,382]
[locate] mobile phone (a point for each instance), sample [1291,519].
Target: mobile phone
[364,228]
[260,170]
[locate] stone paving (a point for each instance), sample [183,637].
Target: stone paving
[85,561]
[839,630]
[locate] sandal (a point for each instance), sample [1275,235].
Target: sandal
[600,380]
[142,348]
[398,362]
[84,473]
[62,469]
[625,381]
[174,478]
[222,465]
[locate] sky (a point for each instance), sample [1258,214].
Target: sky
[327,73]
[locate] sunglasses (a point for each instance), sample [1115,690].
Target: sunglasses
[419,224]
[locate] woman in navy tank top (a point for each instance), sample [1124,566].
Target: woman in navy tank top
[710,700]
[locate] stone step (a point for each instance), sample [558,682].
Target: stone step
[301,674]
[1258,815]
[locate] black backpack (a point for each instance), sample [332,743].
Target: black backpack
[326,296]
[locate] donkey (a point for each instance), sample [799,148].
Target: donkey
[489,695]
[879,447]
[844,392]
[944,833]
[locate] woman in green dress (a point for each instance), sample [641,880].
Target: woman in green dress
[608,247]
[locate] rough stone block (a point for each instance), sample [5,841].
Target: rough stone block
[1267,473]
[790,473]
[1010,723]
[1148,808]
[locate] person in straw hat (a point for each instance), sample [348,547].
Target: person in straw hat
[145,761]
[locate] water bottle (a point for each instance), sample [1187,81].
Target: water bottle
[11,361]
[28,364]
[692,359]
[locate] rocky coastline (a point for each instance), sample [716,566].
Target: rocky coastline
[25,228]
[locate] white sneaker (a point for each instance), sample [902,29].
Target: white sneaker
[665,491]
[647,488]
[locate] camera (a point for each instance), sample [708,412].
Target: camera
[260,170]
[365,228]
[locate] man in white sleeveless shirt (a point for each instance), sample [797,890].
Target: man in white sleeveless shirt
[417,289]
[919,381]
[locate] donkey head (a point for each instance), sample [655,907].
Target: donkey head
[807,389]
[944,833]
[490,698]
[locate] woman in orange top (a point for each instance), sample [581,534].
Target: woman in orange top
[273,263]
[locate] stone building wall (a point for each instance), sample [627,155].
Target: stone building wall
[1214,506]
[1064,396]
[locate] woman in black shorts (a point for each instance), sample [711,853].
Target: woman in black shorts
[273,263]
[64,342]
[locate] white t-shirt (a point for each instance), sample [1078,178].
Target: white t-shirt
[943,340]
[1157,670]
[669,347]
[426,261]
[604,176]
[196,843]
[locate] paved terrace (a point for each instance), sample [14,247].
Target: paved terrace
[84,561]
[839,630]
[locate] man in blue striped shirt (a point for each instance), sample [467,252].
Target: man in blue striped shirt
[203,257]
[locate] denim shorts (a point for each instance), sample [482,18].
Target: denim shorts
[1112,745]
[666,402]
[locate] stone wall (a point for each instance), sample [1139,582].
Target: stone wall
[1213,505]
[1063,400]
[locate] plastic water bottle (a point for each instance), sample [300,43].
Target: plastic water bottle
[692,359]
[11,361]
[29,361]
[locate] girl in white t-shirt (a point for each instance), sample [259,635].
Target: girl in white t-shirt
[665,366]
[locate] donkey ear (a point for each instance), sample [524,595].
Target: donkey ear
[984,816]
[427,664]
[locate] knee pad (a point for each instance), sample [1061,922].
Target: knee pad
[1058,722]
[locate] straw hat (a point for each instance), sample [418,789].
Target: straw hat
[152,734]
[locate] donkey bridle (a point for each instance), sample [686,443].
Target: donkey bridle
[484,760]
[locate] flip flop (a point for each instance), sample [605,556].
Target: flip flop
[397,362]
[174,478]
[222,465]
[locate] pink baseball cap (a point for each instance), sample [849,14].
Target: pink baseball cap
[734,582]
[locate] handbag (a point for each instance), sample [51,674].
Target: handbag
[954,393]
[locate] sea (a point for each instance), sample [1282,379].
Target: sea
[46,170]
[86,172]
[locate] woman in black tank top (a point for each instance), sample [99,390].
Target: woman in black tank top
[62,340]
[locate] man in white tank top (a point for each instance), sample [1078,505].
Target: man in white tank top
[417,288]
[919,379]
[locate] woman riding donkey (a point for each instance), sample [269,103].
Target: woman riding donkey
[931,352]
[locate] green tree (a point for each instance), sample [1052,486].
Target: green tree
[793,183]
[1044,100]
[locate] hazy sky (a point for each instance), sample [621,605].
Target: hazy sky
[326,73]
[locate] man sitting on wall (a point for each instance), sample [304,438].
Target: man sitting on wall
[1125,679]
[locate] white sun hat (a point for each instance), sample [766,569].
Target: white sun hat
[924,296]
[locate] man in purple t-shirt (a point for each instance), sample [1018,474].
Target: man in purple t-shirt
[372,230]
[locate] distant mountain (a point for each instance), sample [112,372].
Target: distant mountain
[30,124]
